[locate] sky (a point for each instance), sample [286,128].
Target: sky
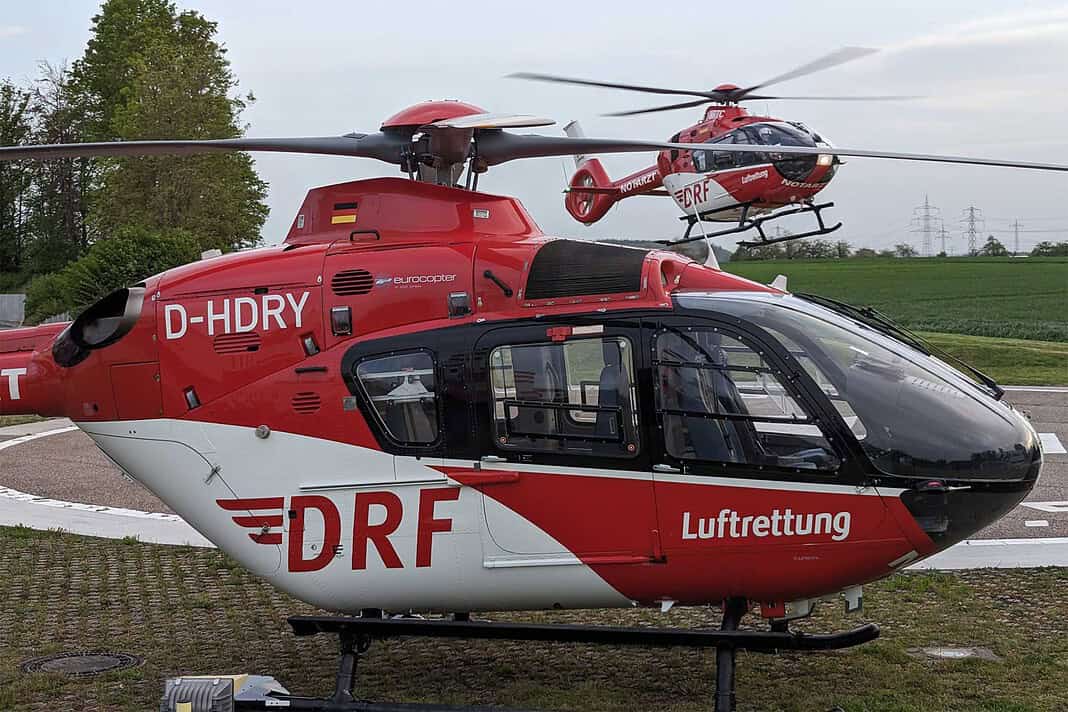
[992,77]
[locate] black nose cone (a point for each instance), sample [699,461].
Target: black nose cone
[949,514]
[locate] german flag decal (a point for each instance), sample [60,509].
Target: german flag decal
[343,213]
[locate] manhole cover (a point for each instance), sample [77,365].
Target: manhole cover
[81,664]
[947,653]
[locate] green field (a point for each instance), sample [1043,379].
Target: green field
[1022,298]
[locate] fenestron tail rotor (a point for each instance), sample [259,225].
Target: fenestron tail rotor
[728,93]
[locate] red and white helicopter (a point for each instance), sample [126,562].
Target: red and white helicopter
[420,402]
[748,186]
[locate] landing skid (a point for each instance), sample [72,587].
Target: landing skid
[356,634]
[746,223]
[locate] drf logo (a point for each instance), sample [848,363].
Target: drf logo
[237,315]
[266,526]
[12,375]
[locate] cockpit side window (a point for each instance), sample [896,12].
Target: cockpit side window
[720,401]
[706,161]
[576,396]
[403,392]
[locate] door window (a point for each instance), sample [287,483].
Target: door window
[574,396]
[402,390]
[720,401]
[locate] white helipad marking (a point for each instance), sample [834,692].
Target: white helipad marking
[1051,444]
[1000,554]
[1054,507]
[8,493]
[101,524]
[1036,523]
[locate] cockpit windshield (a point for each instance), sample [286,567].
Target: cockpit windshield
[760,134]
[778,134]
[912,414]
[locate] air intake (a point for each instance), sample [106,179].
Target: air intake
[351,282]
[237,343]
[571,268]
[306,403]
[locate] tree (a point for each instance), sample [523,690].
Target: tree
[150,72]
[865,252]
[124,259]
[993,248]
[59,220]
[903,249]
[815,250]
[15,178]
[844,249]
[758,252]
[1050,249]
[123,32]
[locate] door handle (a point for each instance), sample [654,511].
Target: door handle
[666,468]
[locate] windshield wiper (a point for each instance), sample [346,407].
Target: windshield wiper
[875,319]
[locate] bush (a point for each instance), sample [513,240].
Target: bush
[120,261]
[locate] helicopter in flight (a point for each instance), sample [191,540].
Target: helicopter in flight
[748,187]
[420,402]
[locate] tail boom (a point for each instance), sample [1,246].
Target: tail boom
[28,381]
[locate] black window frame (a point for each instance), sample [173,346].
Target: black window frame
[372,414]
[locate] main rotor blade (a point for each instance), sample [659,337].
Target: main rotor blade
[501,147]
[609,85]
[668,107]
[840,56]
[378,146]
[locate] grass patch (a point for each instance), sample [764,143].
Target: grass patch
[6,420]
[999,297]
[1013,361]
[191,611]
